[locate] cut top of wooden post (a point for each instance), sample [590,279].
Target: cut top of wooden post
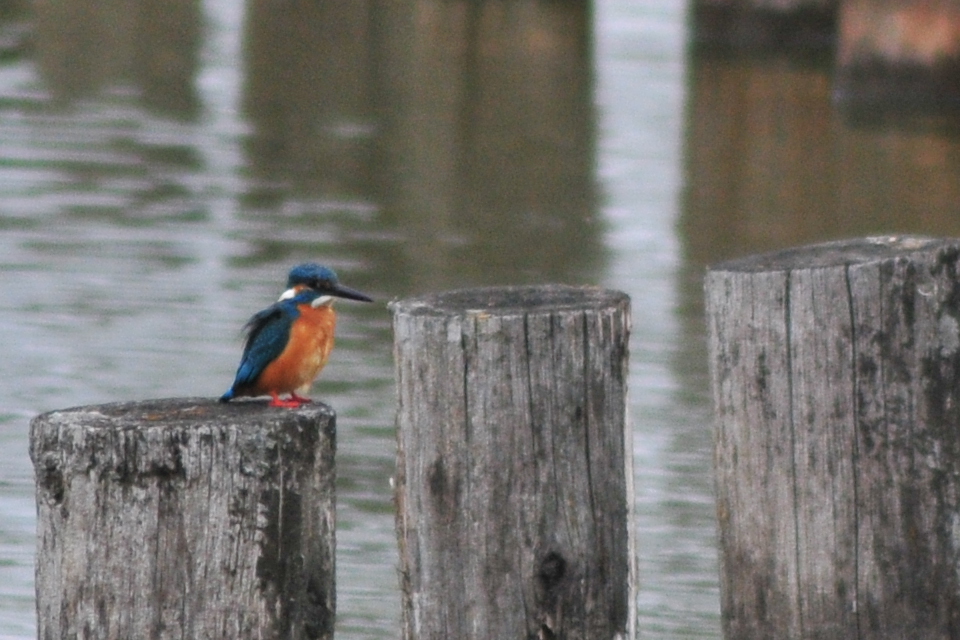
[178,412]
[837,253]
[512,300]
[836,381]
[131,431]
[185,517]
[514,479]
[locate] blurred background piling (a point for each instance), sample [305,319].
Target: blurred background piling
[888,57]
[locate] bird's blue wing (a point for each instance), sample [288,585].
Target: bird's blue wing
[267,334]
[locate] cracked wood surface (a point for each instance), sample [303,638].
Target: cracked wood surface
[185,518]
[514,483]
[836,384]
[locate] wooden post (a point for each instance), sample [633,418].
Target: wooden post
[836,382]
[902,56]
[514,482]
[185,518]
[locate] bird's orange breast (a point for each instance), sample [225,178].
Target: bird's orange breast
[306,353]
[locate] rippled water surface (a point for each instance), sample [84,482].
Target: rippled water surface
[160,173]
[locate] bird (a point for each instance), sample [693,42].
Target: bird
[288,343]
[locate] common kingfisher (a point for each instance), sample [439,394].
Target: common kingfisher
[288,343]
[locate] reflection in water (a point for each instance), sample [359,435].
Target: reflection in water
[83,47]
[308,95]
[771,164]
[470,125]
[489,140]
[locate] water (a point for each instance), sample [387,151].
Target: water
[157,182]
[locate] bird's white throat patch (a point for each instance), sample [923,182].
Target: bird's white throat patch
[322,301]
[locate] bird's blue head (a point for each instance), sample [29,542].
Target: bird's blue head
[321,279]
[310,274]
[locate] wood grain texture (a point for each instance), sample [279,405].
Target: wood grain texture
[514,478]
[185,518]
[836,381]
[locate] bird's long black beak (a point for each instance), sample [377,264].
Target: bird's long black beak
[341,291]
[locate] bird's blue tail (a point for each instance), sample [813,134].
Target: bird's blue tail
[228,396]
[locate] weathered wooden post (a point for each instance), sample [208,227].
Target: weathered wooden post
[836,382]
[185,518]
[514,481]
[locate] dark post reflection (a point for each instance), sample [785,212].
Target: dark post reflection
[168,37]
[86,46]
[758,156]
[801,26]
[307,92]
[770,164]
[470,125]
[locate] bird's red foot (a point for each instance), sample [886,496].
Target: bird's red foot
[300,399]
[293,403]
